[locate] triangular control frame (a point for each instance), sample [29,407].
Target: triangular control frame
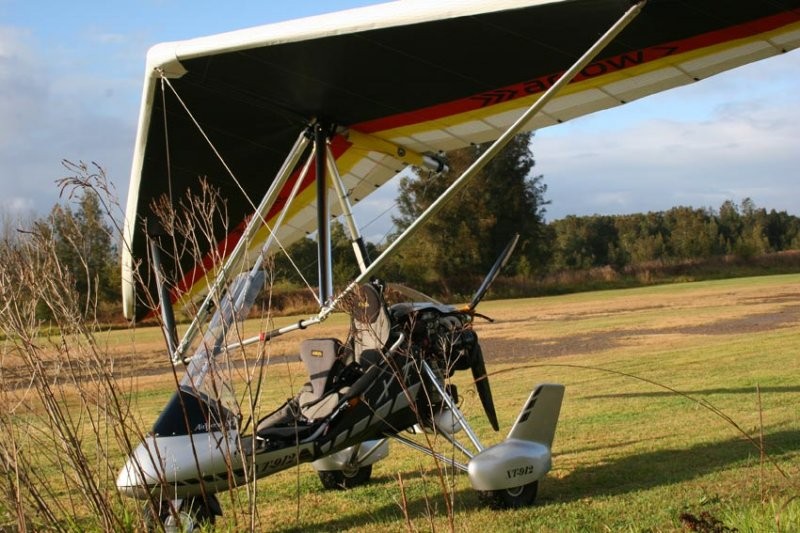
[318,133]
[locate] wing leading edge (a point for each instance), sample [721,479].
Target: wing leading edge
[399,80]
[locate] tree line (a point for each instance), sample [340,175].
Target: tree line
[680,233]
[449,255]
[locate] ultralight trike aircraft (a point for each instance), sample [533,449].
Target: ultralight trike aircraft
[311,116]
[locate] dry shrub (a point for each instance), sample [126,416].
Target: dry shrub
[63,429]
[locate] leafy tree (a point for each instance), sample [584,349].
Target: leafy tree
[464,239]
[304,256]
[84,246]
[677,234]
[729,225]
[303,264]
[570,243]
[782,230]
[692,232]
[753,240]
[586,242]
[640,237]
[344,265]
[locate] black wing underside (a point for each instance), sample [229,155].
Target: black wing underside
[404,78]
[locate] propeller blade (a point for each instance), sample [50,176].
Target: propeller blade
[478,368]
[490,277]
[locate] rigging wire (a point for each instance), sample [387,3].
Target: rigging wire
[395,203]
[165,81]
[379,216]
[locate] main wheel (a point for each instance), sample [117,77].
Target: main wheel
[345,479]
[191,514]
[512,498]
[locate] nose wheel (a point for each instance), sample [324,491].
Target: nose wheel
[512,498]
[184,516]
[345,479]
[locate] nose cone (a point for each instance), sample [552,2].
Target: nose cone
[140,473]
[509,464]
[180,465]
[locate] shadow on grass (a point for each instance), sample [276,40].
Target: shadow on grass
[618,476]
[704,392]
[662,467]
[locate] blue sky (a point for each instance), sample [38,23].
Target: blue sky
[71,76]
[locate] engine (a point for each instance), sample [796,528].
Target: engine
[438,333]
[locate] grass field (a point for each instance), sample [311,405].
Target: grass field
[670,392]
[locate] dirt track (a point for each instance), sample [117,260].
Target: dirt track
[535,329]
[749,314]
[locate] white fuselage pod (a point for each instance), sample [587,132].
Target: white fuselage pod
[525,456]
[511,463]
[181,466]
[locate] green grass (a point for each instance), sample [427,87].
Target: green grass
[631,454]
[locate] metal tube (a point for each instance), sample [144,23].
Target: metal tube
[164,301]
[457,445]
[282,215]
[359,248]
[259,261]
[505,138]
[243,303]
[253,225]
[242,296]
[323,222]
[449,401]
[420,448]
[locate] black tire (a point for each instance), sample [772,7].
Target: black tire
[512,498]
[344,479]
[192,514]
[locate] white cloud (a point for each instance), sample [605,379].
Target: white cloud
[21,85]
[101,37]
[735,142]
[18,205]
[46,117]
[724,138]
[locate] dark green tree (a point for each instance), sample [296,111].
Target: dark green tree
[585,242]
[753,240]
[729,224]
[570,243]
[304,256]
[84,245]
[782,230]
[640,238]
[693,233]
[463,240]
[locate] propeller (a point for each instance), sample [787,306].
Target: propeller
[476,363]
[478,368]
[492,275]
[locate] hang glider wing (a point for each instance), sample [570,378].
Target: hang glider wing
[398,81]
